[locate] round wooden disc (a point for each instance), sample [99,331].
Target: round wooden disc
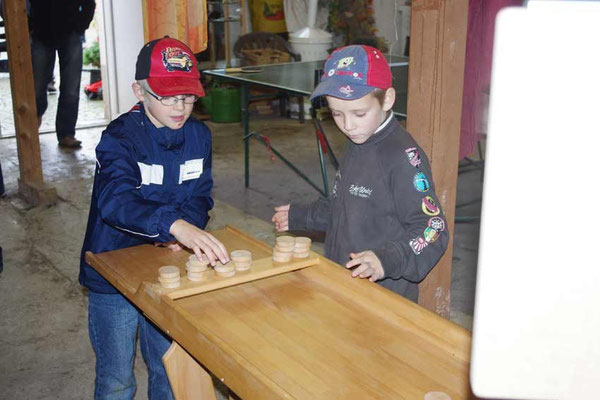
[301,255]
[168,280]
[283,250]
[240,264]
[301,249]
[170,285]
[225,274]
[302,241]
[169,271]
[282,259]
[224,268]
[197,276]
[195,268]
[193,260]
[285,240]
[243,267]
[278,256]
[241,255]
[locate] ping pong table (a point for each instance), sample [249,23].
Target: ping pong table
[298,79]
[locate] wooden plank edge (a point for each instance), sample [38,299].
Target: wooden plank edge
[118,282]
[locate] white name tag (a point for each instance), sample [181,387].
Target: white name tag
[151,174]
[192,169]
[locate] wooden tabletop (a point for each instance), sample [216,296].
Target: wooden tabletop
[313,333]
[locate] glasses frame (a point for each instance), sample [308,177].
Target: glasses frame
[177,99]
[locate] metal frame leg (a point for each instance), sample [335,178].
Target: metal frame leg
[245,116]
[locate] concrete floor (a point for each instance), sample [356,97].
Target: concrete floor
[45,351]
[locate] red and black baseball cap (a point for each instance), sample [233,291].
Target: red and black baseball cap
[169,67]
[352,72]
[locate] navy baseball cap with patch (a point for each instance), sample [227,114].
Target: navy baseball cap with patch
[352,72]
[169,67]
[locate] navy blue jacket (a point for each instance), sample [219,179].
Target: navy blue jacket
[145,179]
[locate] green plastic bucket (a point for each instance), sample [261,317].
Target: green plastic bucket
[224,104]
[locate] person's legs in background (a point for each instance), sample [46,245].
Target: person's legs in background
[70,56]
[154,345]
[43,57]
[113,324]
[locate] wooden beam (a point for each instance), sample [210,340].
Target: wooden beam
[436,71]
[31,181]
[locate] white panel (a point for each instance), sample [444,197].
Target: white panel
[537,321]
[122,37]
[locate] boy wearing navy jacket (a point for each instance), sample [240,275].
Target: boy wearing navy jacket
[152,185]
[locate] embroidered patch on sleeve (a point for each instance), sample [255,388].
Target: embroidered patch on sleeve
[414,158]
[430,235]
[437,223]
[429,207]
[417,245]
[420,182]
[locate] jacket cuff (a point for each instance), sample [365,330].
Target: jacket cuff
[391,260]
[162,224]
[297,217]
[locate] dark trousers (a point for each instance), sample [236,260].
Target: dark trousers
[70,55]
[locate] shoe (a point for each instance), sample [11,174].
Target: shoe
[51,88]
[69,141]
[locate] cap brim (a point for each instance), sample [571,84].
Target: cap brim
[176,86]
[341,90]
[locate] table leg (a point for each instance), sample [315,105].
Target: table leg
[187,378]
[323,169]
[245,116]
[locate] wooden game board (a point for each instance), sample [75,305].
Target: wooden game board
[310,333]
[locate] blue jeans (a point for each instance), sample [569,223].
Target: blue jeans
[113,325]
[70,55]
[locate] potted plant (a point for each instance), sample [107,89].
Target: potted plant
[91,56]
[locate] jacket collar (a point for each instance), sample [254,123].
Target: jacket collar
[388,126]
[165,136]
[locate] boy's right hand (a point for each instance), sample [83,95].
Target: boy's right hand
[281,218]
[200,241]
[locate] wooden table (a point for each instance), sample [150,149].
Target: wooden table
[313,333]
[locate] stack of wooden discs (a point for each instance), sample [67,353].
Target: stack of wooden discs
[169,277]
[302,247]
[197,269]
[242,259]
[225,270]
[284,248]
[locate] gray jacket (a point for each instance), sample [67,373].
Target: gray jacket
[383,200]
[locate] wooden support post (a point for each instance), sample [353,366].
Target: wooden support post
[436,73]
[187,378]
[31,181]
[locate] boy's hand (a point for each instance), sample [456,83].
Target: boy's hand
[280,218]
[199,241]
[367,265]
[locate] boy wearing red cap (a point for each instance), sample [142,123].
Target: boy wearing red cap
[152,185]
[383,219]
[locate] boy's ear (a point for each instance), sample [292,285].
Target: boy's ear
[138,91]
[389,99]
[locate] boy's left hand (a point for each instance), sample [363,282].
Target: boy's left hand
[367,265]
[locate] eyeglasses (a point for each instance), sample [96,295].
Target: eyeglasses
[172,100]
